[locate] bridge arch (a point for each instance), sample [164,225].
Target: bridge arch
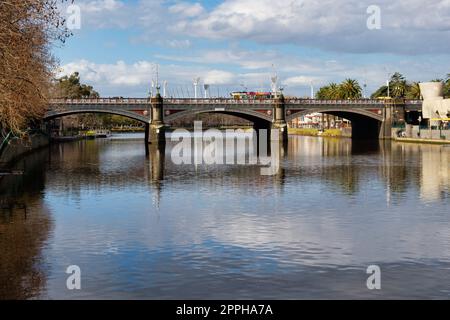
[259,119]
[128,114]
[347,113]
[365,124]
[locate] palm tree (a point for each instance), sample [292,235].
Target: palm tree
[398,85]
[334,91]
[414,91]
[447,86]
[323,93]
[328,92]
[397,77]
[399,89]
[350,89]
[381,92]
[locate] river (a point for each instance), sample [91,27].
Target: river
[141,227]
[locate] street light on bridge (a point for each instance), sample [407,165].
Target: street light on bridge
[196,83]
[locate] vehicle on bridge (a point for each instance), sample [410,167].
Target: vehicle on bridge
[252,95]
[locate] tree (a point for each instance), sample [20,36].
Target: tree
[447,86]
[350,89]
[398,85]
[398,88]
[71,87]
[414,91]
[27,30]
[381,92]
[329,92]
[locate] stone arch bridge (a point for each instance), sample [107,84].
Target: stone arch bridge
[370,118]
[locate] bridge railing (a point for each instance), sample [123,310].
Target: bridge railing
[358,102]
[226,101]
[219,101]
[101,101]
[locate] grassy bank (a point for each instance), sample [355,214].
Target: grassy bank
[427,141]
[316,132]
[127,130]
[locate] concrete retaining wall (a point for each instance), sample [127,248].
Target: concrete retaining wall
[413,132]
[19,147]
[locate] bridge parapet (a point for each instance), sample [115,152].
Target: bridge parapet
[235,102]
[317,102]
[101,101]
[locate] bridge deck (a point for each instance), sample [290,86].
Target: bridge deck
[290,103]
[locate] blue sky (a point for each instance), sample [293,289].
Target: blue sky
[231,44]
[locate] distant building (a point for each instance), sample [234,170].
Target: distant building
[435,108]
[319,120]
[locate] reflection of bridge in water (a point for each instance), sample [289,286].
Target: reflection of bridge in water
[370,118]
[304,159]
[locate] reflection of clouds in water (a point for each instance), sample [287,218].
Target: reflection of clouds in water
[329,212]
[329,240]
[310,224]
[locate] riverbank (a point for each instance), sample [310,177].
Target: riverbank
[414,134]
[424,141]
[127,130]
[17,147]
[336,133]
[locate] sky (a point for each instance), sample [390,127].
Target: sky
[240,44]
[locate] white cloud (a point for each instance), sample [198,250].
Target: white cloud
[122,79]
[408,26]
[178,44]
[300,81]
[118,74]
[338,29]
[186,9]
[295,73]
[101,6]
[219,77]
[149,15]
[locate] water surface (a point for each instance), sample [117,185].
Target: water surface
[140,227]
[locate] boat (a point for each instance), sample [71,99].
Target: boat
[103,134]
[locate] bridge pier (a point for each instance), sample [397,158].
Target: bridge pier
[155,132]
[280,122]
[386,124]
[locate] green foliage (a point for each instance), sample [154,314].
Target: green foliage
[402,89]
[304,131]
[413,92]
[72,88]
[447,86]
[348,89]
[398,86]
[110,121]
[381,92]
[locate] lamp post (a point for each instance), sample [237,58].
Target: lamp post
[165,89]
[196,83]
[388,88]
[420,123]
[388,83]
